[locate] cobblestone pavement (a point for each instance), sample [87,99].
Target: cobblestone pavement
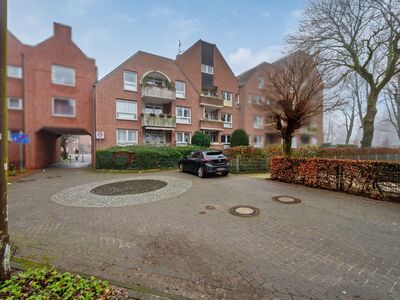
[329,246]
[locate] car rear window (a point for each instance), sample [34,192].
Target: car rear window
[213,153]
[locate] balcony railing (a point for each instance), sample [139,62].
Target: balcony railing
[211,124]
[211,101]
[164,121]
[156,92]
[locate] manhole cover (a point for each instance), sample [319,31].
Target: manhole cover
[129,187]
[286,199]
[244,211]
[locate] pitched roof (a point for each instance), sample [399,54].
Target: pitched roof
[245,76]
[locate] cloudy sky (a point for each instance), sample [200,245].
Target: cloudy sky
[247,32]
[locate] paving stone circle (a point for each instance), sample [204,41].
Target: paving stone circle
[286,199]
[128,187]
[244,211]
[83,196]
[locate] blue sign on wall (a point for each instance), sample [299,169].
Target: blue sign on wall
[20,138]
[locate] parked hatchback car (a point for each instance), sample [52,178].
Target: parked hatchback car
[205,162]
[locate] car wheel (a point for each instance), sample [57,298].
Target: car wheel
[225,173]
[181,167]
[200,172]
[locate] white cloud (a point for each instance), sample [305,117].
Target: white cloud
[266,14]
[244,58]
[80,7]
[297,13]
[161,11]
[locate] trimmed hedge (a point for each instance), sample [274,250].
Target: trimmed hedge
[239,138]
[200,139]
[374,179]
[141,157]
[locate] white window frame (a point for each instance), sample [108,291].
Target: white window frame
[259,144]
[184,136]
[130,86]
[227,124]
[20,103]
[126,142]
[180,94]
[180,119]
[61,115]
[134,114]
[224,139]
[19,74]
[237,101]
[258,125]
[207,69]
[228,96]
[54,80]
[261,83]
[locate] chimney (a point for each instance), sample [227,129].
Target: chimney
[62,31]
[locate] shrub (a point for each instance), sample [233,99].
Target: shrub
[200,139]
[239,138]
[375,179]
[45,283]
[141,157]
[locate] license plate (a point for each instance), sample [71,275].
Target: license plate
[221,169]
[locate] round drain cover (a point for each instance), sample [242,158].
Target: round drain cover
[244,211]
[210,207]
[286,199]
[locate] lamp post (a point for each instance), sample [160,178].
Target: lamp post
[4,237]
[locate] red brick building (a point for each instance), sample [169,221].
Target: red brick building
[50,92]
[155,100]
[253,115]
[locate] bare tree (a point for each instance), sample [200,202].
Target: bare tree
[63,143]
[392,102]
[297,89]
[360,36]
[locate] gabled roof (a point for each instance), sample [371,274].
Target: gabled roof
[246,75]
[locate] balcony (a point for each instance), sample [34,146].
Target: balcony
[157,94]
[208,124]
[211,101]
[152,121]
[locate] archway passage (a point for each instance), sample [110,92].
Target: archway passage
[64,147]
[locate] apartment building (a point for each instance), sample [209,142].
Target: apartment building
[256,96]
[154,100]
[49,94]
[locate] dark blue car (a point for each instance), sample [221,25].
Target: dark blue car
[205,162]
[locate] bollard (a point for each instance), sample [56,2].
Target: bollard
[70,158]
[237,164]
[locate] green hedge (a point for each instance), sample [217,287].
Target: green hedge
[141,157]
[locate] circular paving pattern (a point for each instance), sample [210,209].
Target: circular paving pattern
[244,211]
[132,191]
[128,187]
[286,199]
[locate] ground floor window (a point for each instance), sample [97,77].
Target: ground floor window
[226,139]
[126,137]
[183,137]
[304,139]
[213,135]
[154,137]
[258,141]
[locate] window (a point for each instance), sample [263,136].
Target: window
[151,108]
[226,139]
[130,81]
[258,141]
[183,137]
[126,137]
[15,103]
[126,110]
[260,82]
[63,107]
[227,119]
[227,96]
[180,89]
[213,135]
[211,115]
[207,69]
[257,122]
[183,115]
[62,75]
[14,71]
[237,102]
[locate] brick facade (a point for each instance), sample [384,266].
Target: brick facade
[37,90]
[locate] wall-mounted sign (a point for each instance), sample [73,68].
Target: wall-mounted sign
[99,135]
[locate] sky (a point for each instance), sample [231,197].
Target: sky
[247,32]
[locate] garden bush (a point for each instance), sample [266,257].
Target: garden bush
[375,179]
[141,157]
[200,139]
[43,283]
[239,138]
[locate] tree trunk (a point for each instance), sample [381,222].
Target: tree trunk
[369,119]
[287,146]
[4,237]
